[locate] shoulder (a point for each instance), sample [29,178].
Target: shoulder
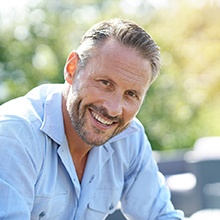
[22,118]
[29,107]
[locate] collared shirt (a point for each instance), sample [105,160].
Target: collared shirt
[38,178]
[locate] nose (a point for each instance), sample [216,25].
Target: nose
[114,105]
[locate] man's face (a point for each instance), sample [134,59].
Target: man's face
[107,94]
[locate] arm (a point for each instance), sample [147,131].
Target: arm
[18,171]
[12,205]
[145,195]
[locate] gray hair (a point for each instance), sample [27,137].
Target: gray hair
[125,32]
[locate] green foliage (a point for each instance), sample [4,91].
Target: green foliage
[181,105]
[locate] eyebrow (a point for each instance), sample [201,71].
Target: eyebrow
[138,93]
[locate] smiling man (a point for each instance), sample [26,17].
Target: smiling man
[73,151]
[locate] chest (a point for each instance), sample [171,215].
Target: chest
[60,195]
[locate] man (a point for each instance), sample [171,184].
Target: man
[73,151]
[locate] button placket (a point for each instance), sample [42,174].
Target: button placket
[111,206]
[41,215]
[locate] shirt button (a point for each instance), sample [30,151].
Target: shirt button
[93,176]
[111,207]
[42,214]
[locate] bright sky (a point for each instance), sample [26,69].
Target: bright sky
[19,5]
[13,3]
[17,9]
[11,10]
[9,5]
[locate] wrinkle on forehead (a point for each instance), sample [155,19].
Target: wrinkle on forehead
[127,61]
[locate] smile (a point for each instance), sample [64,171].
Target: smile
[100,119]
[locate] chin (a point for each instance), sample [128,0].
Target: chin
[96,141]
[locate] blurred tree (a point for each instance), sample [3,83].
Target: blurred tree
[183,103]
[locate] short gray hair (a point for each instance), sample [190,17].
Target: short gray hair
[125,32]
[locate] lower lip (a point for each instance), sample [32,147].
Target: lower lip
[98,124]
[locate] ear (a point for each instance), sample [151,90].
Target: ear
[70,67]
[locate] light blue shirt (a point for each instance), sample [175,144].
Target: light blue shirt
[38,178]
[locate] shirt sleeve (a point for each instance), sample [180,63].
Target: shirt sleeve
[18,171]
[145,195]
[12,204]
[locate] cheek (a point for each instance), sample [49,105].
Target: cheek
[85,89]
[71,100]
[130,112]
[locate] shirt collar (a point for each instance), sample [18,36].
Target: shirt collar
[128,131]
[53,118]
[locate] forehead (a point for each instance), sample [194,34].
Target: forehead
[122,63]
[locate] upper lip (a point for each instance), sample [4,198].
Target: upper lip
[101,119]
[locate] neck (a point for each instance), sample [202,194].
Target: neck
[78,148]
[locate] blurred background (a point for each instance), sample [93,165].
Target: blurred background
[183,103]
[181,106]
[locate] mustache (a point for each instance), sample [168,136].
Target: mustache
[104,112]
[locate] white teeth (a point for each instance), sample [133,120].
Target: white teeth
[102,120]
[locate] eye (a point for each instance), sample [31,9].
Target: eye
[105,82]
[132,94]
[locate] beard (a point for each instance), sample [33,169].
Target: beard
[94,136]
